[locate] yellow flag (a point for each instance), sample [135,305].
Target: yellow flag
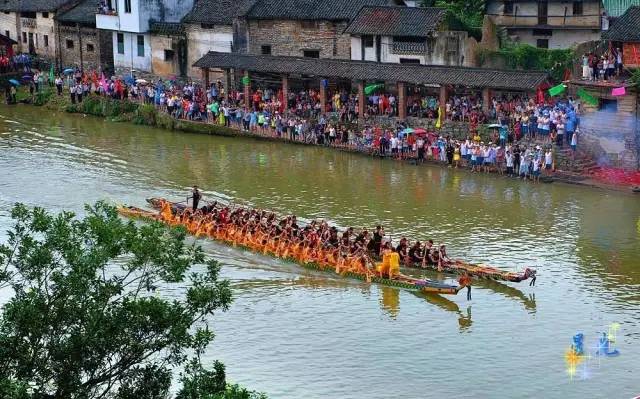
[439,121]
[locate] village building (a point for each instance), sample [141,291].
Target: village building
[407,35]
[211,25]
[129,22]
[286,74]
[7,46]
[80,44]
[168,43]
[553,24]
[300,28]
[31,24]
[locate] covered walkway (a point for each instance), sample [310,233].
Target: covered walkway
[323,70]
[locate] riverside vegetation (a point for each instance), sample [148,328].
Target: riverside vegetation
[85,316]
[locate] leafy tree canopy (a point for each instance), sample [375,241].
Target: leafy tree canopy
[85,318]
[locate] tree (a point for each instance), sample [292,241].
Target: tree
[86,319]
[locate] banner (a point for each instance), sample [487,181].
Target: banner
[439,121]
[371,88]
[555,90]
[586,97]
[246,81]
[618,91]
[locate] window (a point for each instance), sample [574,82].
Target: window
[140,46]
[409,61]
[46,40]
[127,6]
[45,15]
[90,48]
[306,24]
[508,8]
[24,37]
[452,44]
[120,43]
[367,41]
[26,14]
[577,8]
[69,44]
[542,32]
[265,50]
[542,43]
[169,54]
[207,26]
[311,53]
[7,34]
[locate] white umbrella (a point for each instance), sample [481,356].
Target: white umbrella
[141,81]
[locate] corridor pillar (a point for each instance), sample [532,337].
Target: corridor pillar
[402,101]
[361,102]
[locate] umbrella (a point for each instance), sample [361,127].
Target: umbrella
[495,126]
[27,77]
[141,81]
[68,71]
[129,80]
[14,82]
[408,131]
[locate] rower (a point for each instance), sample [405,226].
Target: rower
[196,195]
[465,281]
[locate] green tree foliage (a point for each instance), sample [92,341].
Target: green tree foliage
[527,57]
[86,319]
[461,15]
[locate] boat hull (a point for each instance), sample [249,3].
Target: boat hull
[406,282]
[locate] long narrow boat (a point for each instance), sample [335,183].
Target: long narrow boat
[457,267]
[402,281]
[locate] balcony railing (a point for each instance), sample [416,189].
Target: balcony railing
[408,48]
[586,21]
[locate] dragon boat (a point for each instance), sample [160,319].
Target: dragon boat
[400,281]
[457,267]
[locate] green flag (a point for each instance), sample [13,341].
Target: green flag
[246,81]
[555,90]
[586,97]
[52,75]
[373,87]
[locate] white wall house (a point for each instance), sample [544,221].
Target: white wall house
[407,36]
[32,25]
[553,24]
[209,27]
[129,21]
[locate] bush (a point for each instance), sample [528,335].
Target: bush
[146,115]
[165,121]
[527,57]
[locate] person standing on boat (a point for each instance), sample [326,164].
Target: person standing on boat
[196,195]
[465,281]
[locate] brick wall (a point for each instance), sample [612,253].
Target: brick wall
[90,45]
[291,38]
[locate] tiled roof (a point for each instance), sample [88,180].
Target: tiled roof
[396,21]
[374,71]
[82,13]
[221,12]
[7,40]
[166,28]
[626,28]
[31,5]
[331,10]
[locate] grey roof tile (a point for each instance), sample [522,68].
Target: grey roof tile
[626,28]
[221,12]
[396,21]
[374,71]
[331,10]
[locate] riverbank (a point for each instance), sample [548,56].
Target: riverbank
[149,115]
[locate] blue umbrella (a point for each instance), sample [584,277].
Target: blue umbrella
[14,82]
[68,71]
[129,80]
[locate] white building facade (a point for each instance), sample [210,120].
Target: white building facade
[129,21]
[552,24]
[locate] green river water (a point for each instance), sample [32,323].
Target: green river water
[294,333]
